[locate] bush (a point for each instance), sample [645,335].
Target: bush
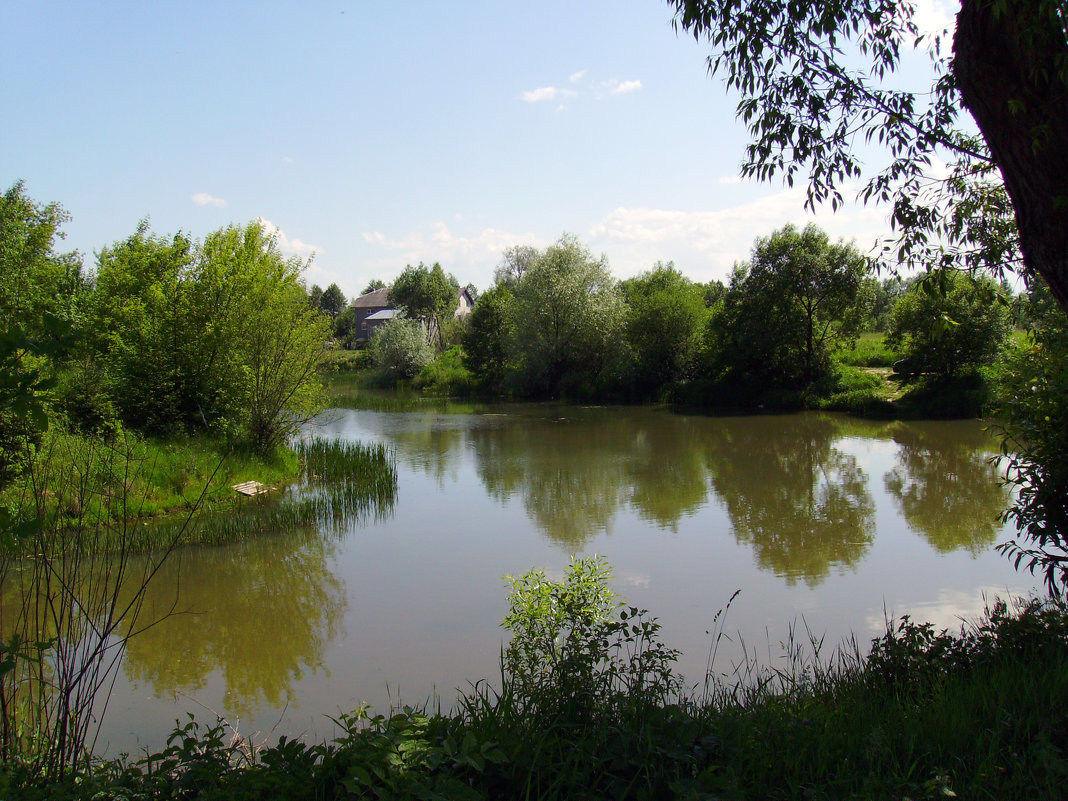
[948,324]
[399,349]
[446,375]
[577,654]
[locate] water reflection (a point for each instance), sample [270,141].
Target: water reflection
[668,476]
[260,613]
[946,486]
[794,487]
[570,473]
[800,502]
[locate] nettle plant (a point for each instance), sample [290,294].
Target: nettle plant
[579,654]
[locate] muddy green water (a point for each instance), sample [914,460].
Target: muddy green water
[820,521]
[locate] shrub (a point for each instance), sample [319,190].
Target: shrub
[399,349]
[446,375]
[577,654]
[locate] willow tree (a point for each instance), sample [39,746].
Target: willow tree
[820,83]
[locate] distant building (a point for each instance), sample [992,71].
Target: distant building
[374,310]
[368,306]
[464,303]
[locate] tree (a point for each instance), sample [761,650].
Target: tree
[399,349]
[315,296]
[195,334]
[798,298]
[36,295]
[345,328]
[278,343]
[568,317]
[515,261]
[1034,411]
[372,285]
[811,103]
[426,293]
[950,327]
[664,327]
[166,369]
[333,301]
[486,339]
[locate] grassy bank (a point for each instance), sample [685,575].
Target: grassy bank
[96,482]
[861,382]
[589,708]
[152,487]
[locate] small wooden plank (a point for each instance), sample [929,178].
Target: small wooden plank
[251,488]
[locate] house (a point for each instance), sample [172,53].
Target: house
[373,310]
[368,306]
[465,301]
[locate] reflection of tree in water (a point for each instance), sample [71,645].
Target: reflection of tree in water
[573,473]
[569,474]
[428,443]
[668,477]
[946,486]
[261,613]
[801,503]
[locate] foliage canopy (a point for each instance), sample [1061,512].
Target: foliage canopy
[797,298]
[945,328]
[821,81]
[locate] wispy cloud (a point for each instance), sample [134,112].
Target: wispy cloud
[706,244]
[625,87]
[575,77]
[290,247]
[204,199]
[470,256]
[932,16]
[542,93]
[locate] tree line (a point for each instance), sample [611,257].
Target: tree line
[556,324]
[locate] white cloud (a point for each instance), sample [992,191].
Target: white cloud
[729,179]
[290,247]
[540,94]
[932,16]
[625,87]
[577,76]
[947,611]
[706,244]
[471,257]
[204,199]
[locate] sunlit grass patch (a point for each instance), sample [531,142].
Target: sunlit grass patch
[869,351]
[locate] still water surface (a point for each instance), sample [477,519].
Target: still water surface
[821,521]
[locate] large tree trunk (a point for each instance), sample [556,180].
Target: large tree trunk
[1012,71]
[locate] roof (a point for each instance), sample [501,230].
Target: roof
[379,299]
[385,314]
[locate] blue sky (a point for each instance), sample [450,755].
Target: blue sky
[382,134]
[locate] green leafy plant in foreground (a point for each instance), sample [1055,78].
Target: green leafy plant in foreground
[576,652]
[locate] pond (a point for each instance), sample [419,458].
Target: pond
[825,524]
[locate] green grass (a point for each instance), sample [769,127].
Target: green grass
[163,490]
[869,351]
[94,482]
[341,360]
[339,483]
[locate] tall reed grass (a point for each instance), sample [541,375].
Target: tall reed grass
[340,484]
